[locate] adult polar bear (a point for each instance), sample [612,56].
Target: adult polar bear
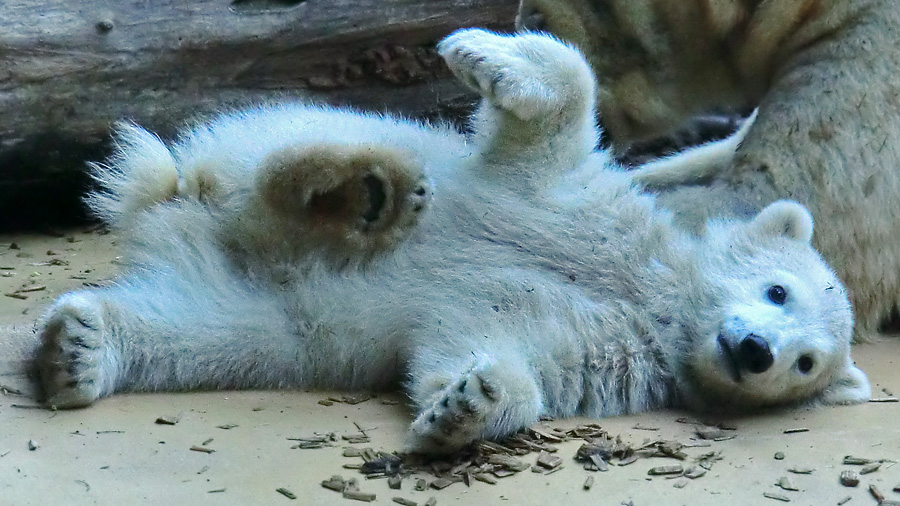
[823,73]
[290,246]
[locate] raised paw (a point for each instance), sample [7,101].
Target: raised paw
[363,196]
[529,75]
[74,361]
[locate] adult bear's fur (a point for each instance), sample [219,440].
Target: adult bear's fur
[824,76]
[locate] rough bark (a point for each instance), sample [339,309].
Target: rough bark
[70,69]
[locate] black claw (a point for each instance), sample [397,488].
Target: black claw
[467,407]
[462,386]
[488,391]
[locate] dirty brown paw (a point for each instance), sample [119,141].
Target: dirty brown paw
[363,196]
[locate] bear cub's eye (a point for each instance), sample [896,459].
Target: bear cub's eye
[777,294]
[805,364]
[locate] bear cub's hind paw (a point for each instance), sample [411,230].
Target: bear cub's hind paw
[74,360]
[529,75]
[363,196]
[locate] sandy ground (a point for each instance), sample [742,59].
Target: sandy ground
[115,453]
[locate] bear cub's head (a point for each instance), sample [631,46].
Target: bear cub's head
[777,323]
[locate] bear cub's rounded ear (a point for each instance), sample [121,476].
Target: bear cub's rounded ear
[784,218]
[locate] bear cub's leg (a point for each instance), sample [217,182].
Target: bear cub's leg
[489,400]
[361,196]
[75,363]
[539,97]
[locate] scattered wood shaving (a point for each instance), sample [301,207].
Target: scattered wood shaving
[664,470]
[785,483]
[877,494]
[870,468]
[797,430]
[358,496]
[777,496]
[287,493]
[849,478]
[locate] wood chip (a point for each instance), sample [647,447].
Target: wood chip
[508,462]
[432,501]
[202,449]
[779,455]
[326,402]
[32,288]
[801,470]
[849,478]
[681,482]
[710,433]
[404,502]
[850,460]
[598,463]
[441,483]
[785,483]
[870,468]
[885,399]
[33,445]
[394,482]
[335,483]
[226,426]
[485,478]
[844,500]
[287,493]
[540,434]
[795,431]
[166,420]
[548,460]
[644,427]
[216,491]
[355,398]
[421,485]
[777,496]
[631,459]
[588,483]
[16,296]
[694,473]
[663,470]
[358,496]
[877,494]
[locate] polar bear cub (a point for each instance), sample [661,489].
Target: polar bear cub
[500,277]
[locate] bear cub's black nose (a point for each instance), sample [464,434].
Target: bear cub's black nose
[754,354]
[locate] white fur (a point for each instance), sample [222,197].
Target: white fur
[539,280]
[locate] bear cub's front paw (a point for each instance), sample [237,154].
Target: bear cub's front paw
[363,196]
[460,415]
[74,361]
